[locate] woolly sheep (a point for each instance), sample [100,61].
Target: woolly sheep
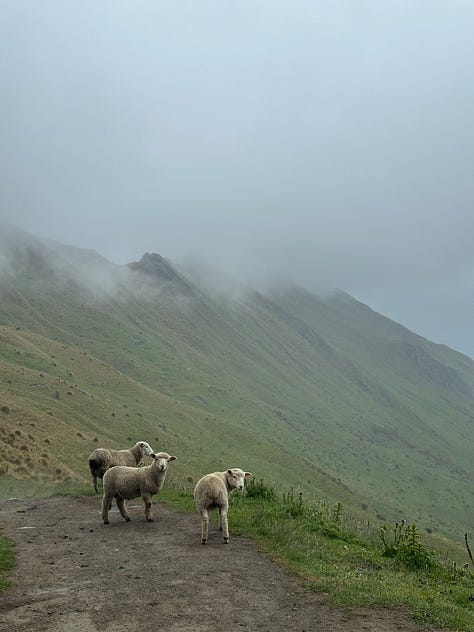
[211,492]
[101,459]
[121,483]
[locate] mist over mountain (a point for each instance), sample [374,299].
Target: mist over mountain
[316,391]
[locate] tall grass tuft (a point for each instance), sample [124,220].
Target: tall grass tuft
[402,542]
[257,489]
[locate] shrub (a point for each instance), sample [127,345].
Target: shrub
[327,518]
[403,542]
[294,503]
[259,490]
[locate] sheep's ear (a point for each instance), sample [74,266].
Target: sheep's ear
[248,474]
[153,455]
[172,458]
[229,472]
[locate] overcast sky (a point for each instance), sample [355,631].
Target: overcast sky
[329,142]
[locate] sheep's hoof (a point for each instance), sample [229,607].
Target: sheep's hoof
[149,519]
[128,519]
[226,540]
[203,541]
[106,522]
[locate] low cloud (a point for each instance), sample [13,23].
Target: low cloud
[312,142]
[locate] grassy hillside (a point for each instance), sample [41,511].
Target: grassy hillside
[318,393]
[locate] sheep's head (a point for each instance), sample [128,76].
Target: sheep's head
[161,460]
[145,447]
[236,478]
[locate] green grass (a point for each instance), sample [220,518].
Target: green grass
[7,560]
[347,560]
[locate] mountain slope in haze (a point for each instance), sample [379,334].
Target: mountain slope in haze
[320,393]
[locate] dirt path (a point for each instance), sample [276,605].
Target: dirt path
[75,574]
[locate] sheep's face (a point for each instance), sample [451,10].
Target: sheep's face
[145,447]
[236,478]
[161,460]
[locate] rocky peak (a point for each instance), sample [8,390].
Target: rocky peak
[154,265]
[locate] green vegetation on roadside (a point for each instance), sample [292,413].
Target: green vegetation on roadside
[355,564]
[7,560]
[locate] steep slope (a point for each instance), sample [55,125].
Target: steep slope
[320,393]
[412,423]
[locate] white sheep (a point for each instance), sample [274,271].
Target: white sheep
[211,492]
[101,459]
[121,483]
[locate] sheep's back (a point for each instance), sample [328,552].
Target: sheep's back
[123,480]
[211,491]
[100,460]
[124,457]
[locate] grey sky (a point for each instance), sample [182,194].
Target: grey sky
[327,142]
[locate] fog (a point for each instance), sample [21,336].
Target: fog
[326,143]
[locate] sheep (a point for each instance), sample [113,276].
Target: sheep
[122,482]
[211,492]
[102,458]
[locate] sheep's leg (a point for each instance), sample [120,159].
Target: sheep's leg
[203,512]
[123,509]
[224,524]
[219,519]
[106,505]
[94,480]
[148,512]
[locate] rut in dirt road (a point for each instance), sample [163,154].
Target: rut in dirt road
[75,574]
